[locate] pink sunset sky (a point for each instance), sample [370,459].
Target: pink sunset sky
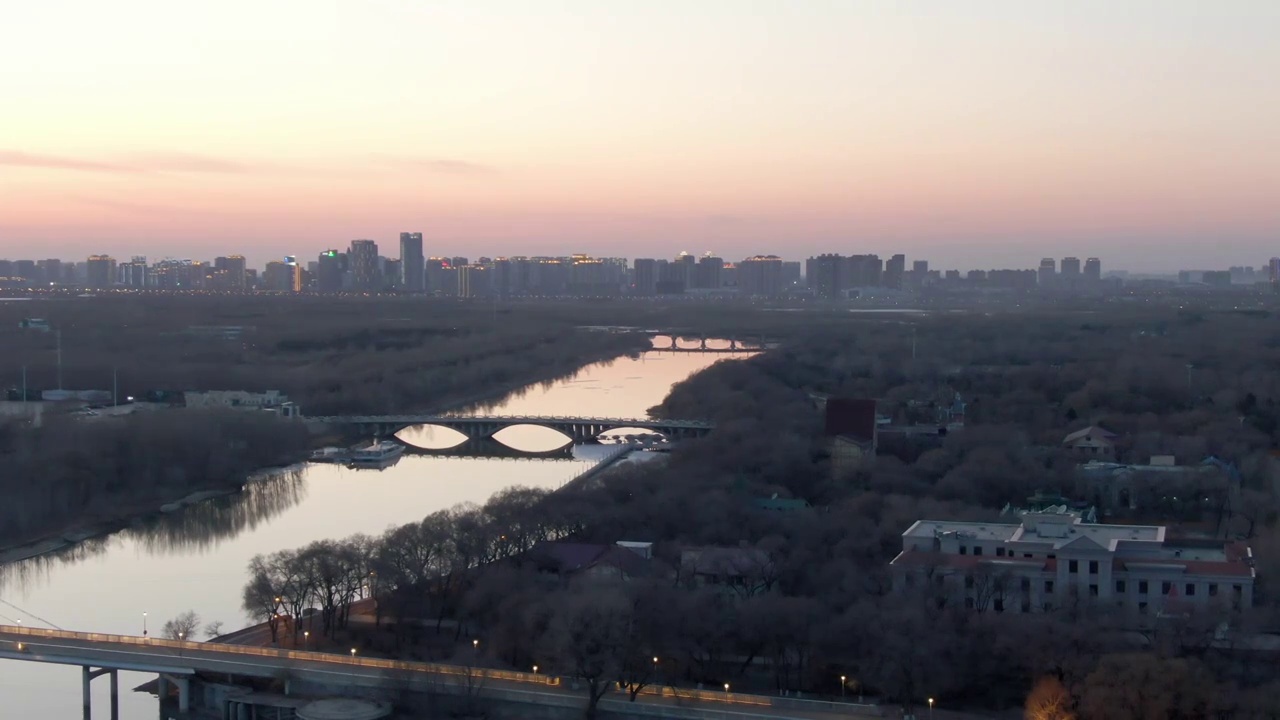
[985,133]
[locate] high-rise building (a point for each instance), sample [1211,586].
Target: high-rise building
[1048,272]
[1273,270]
[50,271]
[473,280]
[231,271]
[1070,268]
[277,277]
[760,276]
[100,271]
[920,268]
[645,277]
[894,269]
[863,271]
[707,275]
[329,271]
[411,262]
[133,274]
[683,269]
[1093,269]
[362,259]
[824,275]
[790,273]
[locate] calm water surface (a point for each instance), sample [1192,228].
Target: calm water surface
[195,559]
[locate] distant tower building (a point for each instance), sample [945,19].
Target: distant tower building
[708,274]
[411,262]
[133,274]
[1273,270]
[920,267]
[790,273]
[100,271]
[894,269]
[1093,269]
[645,277]
[231,271]
[1070,268]
[760,276]
[825,275]
[329,271]
[362,260]
[1048,271]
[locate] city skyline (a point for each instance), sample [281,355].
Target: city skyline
[1147,132]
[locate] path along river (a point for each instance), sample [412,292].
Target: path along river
[195,558]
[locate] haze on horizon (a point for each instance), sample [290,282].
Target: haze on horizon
[979,134]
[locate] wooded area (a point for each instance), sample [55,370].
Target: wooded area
[819,607]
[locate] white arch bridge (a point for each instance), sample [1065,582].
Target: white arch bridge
[578,429]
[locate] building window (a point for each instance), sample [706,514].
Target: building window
[1238,590]
[1048,587]
[1119,586]
[1213,589]
[1026,605]
[977,549]
[1051,556]
[1026,585]
[1093,567]
[1142,587]
[1073,566]
[999,552]
[964,550]
[1026,555]
[1191,589]
[1093,591]
[1142,608]
[968,582]
[1165,587]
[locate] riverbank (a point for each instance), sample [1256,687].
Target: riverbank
[98,523]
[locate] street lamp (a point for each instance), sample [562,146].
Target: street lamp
[726,687]
[306,639]
[842,683]
[535,669]
[353,652]
[144,624]
[930,708]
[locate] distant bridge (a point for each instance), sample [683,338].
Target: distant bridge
[577,429]
[490,449]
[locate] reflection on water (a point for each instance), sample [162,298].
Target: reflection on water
[195,558]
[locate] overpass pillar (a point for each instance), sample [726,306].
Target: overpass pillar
[85,677]
[115,695]
[703,344]
[184,694]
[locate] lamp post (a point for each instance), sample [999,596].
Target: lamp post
[144,624]
[930,708]
[535,669]
[353,652]
[726,688]
[842,682]
[306,639]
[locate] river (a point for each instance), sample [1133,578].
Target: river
[195,559]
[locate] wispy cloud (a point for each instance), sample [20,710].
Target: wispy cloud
[442,166]
[144,163]
[16,158]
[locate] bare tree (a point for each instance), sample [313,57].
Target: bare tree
[182,627]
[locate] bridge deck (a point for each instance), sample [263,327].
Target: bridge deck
[128,652]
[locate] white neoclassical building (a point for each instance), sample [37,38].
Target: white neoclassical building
[1051,559]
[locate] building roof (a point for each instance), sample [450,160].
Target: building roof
[855,417]
[1089,432]
[724,561]
[565,558]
